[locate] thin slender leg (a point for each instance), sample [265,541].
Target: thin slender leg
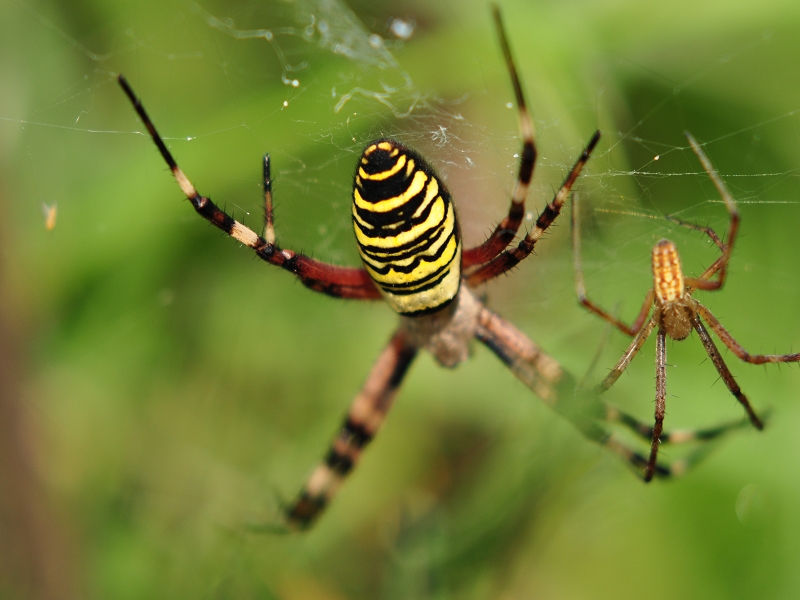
[724,372]
[583,407]
[661,399]
[364,419]
[269,216]
[580,285]
[736,348]
[557,387]
[707,230]
[627,357]
[505,231]
[703,283]
[510,258]
[676,436]
[341,282]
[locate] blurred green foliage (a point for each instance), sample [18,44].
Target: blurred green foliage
[174,388]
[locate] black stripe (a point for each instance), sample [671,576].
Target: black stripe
[388,255]
[305,509]
[355,434]
[402,289]
[403,362]
[429,236]
[403,215]
[373,191]
[499,351]
[547,217]
[431,309]
[209,211]
[338,463]
[526,162]
[420,258]
[381,160]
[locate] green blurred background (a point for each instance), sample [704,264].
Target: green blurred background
[161,390]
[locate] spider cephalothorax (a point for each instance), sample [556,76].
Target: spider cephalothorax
[673,305]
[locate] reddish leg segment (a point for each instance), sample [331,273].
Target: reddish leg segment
[342,282]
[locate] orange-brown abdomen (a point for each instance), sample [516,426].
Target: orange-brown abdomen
[667,273]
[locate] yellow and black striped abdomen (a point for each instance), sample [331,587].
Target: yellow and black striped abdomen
[406,229]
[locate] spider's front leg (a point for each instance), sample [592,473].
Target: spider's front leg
[505,231]
[363,420]
[511,258]
[491,258]
[333,280]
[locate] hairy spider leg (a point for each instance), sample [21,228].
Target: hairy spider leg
[365,417]
[505,231]
[583,407]
[508,259]
[704,282]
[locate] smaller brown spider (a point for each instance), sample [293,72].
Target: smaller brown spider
[676,313]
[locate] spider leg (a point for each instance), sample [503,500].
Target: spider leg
[712,269]
[707,439]
[510,258]
[676,436]
[580,285]
[505,231]
[736,348]
[724,372]
[556,387]
[707,230]
[628,355]
[720,267]
[661,398]
[269,215]
[363,420]
[342,282]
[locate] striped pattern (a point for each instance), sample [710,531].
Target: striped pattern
[667,273]
[364,419]
[406,229]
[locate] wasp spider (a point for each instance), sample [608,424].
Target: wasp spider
[409,240]
[676,313]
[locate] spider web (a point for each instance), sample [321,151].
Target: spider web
[285,52]
[312,82]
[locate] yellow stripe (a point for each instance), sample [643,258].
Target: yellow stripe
[384,174]
[423,270]
[431,298]
[391,203]
[358,218]
[383,258]
[430,194]
[436,216]
[361,221]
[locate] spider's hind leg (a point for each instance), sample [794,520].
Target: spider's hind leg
[705,439]
[582,406]
[363,420]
